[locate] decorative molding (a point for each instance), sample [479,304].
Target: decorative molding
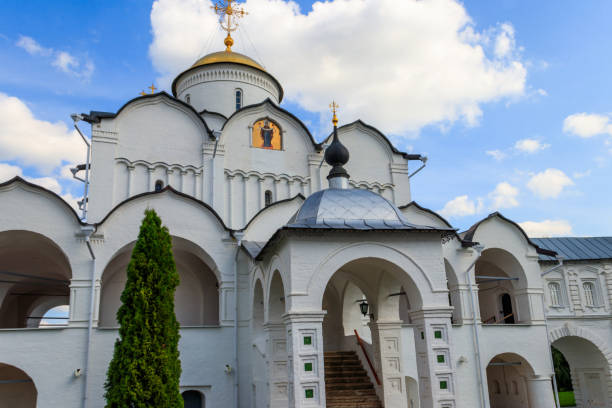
[261,176]
[228,73]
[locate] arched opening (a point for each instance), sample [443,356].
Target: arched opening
[53,317]
[196,300]
[17,390]
[159,186]
[259,347]
[454,294]
[589,372]
[277,343]
[501,283]
[507,376]
[34,278]
[412,392]
[193,399]
[361,299]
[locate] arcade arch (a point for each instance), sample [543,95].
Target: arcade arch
[17,390]
[196,297]
[507,380]
[501,288]
[589,369]
[34,277]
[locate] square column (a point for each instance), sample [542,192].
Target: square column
[386,339]
[434,358]
[306,360]
[278,365]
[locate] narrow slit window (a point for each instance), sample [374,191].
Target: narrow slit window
[238,99]
[268,197]
[188,98]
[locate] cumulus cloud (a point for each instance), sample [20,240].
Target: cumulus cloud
[62,60]
[530,146]
[425,57]
[33,142]
[496,154]
[546,228]
[587,125]
[549,183]
[504,196]
[461,206]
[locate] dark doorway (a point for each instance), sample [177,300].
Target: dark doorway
[192,399]
[508,315]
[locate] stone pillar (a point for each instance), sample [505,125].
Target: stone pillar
[399,178]
[386,339]
[539,392]
[278,365]
[433,345]
[130,182]
[306,360]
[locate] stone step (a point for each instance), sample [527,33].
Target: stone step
[339,392]
[347,384]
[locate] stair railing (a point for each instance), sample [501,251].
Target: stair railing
[365,353]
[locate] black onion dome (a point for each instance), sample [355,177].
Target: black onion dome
[337,155]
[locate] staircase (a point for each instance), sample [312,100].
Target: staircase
[347,384]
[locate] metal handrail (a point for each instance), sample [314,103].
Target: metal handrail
[365,353]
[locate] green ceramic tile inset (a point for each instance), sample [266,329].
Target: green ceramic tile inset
[440,358]
[309,393]
[443,385]
[307,340]
[307,366]
[438,334]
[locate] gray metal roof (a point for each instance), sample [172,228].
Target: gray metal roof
[576,248]
[354,209]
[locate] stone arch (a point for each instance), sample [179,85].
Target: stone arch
[196,297]
[193,399]
[502,301]
[507,380]
[276,300]
[584,351]
[17,389]
[454,292]
[34,268]
[415,281]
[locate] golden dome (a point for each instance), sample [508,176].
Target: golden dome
[225,56]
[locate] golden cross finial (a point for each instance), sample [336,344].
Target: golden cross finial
[225,9]
[142,93]
[152,88]
[334,107]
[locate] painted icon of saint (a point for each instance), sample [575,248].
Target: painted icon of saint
[266,134]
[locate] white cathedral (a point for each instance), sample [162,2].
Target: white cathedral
[309,275]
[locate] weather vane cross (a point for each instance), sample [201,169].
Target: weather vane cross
[226,9]
[152,88]
[334,107]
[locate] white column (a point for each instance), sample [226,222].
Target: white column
[229,205]
[539,392]
[260,194]
[151,181]
[276,197]
[278,365]
[306,360]
[245,199]
[386,339]
[182,182]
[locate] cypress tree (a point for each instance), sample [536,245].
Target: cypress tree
[145,368]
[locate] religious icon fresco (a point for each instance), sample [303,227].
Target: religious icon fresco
[266,135]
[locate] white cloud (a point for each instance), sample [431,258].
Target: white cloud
[587,124]
[546,228]
[504,196]
[381,55]
[32,47]
[530,145]
[579,175]
[496,154]
[33,142]
[62,60]
[461,206]
[549,183]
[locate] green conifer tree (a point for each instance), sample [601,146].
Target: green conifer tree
[145,368]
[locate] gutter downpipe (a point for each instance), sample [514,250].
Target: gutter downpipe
[238,236]
[550,357]
[91,313]
[483,402]
[77,118]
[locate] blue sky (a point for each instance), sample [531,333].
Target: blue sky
[97,55]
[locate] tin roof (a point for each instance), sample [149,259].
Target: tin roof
[576,248]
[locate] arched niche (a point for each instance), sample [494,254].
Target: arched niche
[276,299]
[196,300]
[193,399]
[501,288]
[17,390]
[36,275]
[454,294]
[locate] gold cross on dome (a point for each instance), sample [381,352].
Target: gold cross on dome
[226,9]
[334,107]
[152,88]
